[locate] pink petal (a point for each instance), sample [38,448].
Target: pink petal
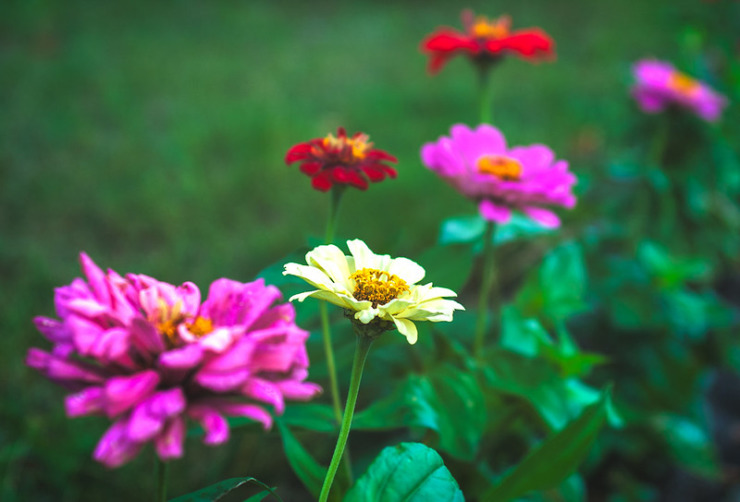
[267,392]
[493,212]
[149,417]
[115,448]
[183,358]
[169,443]
[88,401]
[214,424]
[300,391]
[122,393]
[542,216]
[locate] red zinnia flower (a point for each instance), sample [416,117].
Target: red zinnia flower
[342,160]
[486,40]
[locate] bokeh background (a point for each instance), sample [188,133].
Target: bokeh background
[152,135]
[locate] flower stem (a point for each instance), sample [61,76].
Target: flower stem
[330,365]
[361,350]
[331,224]
[162,472]
[486,285]
[485,91]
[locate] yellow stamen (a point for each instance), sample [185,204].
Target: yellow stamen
[377,286]
[358,147]
[504,168]
[200,326]
[494,29]
[683,84]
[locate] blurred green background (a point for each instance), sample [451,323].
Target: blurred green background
[152,136]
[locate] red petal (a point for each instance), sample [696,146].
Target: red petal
[389,171]
[355,179]
[298,152]
[449,41]
[531,44]
[380,155]
[339,174]
[374,173]
[341,133]
[311,167]
[321,181]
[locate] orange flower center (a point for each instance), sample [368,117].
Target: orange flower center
[494,29]
[682,84]
[501,166]
[170,318]
[377,286]
[356,147]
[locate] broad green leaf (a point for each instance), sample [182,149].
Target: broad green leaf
[408,472]
[222,488]
[445,400]
[689,444]
[461,229]
[308,470]
[554,459]
[518,227]
[312,416]
[520,335]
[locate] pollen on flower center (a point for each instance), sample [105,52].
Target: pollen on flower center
[377,286]
[352,148]
[501,166]
[170,319]
[682,84]
[494,29]
[200,326]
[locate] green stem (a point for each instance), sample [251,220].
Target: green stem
[660,141]
[162,471]
[331,222]
[486,286]
[485,91]
[331,367]
[331,225]
[361,350]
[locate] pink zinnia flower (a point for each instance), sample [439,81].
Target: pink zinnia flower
[659,84]
[478,163]
[148,354]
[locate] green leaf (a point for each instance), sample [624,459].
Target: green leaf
[689,444]
[554,459]
[445,400]
[222,488]
[408,472]
[447,266]
[313,416]
[518,227]
[308,470]
[462,229]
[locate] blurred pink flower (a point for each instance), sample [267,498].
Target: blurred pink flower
[658,84]
[478,163]
[148,354]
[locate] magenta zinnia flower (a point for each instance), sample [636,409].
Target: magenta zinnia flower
[148,354]
[659,84]
[478,163]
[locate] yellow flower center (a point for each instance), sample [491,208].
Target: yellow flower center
[170,317]
[377,286]
[356,147]
[501,166]
[494,29]
[683,84]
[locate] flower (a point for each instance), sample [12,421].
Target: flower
[342,160]
[659,84]
[486,41]
[478,163]
[148,354]
[373,287]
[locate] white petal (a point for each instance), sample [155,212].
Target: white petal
[311,275]
[409,271]
[364,258]
[407,329]
[333,262]
[366,315]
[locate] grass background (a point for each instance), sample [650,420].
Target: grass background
[151,135]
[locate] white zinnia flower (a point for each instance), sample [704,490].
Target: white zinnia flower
[374,286]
